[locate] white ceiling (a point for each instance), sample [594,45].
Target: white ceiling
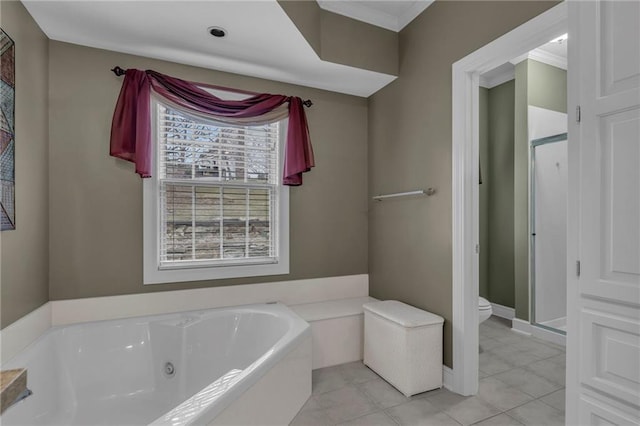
[261,42]
[552,53]
[558,49]
[393,15]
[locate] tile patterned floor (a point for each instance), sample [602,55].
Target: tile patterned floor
[521,383]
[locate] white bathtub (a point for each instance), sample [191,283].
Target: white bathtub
[241,365]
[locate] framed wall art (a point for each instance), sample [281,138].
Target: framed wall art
[7,132]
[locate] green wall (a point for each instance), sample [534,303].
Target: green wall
[547,86]
[500,174]
[504,193]
[544,86]
[496,194]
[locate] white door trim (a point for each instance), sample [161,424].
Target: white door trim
[465,196]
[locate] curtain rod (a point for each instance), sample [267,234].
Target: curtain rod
[120,72]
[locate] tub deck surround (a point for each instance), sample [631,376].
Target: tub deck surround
[337,328]
[288,292]
[330,309]
[13,383]
[18,335]
[174,369]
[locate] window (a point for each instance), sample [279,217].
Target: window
[215,207]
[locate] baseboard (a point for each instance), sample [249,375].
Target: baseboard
[524,327]
[557,323]
[447,377]
[503,311]
[549,336]
[21,333]
[521,326]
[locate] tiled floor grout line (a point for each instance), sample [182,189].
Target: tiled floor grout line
[489,418]
[384,410]
[387,407]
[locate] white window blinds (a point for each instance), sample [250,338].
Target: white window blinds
[218,192]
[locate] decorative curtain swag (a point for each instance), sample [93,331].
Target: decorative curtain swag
[131,125]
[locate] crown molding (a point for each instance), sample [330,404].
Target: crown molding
[372,16]
[361,13]
[544,57]
[412,13]
[497,80]
[548,58]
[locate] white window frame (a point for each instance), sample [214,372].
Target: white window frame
[154,274]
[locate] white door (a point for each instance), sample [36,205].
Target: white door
[603,338]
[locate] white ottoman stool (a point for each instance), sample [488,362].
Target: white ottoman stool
[403,344]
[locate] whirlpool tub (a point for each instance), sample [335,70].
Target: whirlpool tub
[232,366]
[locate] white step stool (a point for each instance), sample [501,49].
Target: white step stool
[403,344]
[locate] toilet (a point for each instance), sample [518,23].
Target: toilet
[484,308]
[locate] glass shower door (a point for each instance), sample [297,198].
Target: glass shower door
[549,231]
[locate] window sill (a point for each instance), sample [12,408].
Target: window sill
[163,276]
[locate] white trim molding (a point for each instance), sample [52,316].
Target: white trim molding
[374,16]
[548,335]
[521,326]
[465,191]
[524,327]
[153,232]
[548,58]
[412,12]
[503,311]
[447,377]
[544,57]
[497,80]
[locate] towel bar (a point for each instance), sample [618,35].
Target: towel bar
[428,192]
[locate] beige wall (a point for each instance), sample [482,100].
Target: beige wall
[306,15]
[410,148]
[342,40]
[358,44]
[96,200]
[24,266]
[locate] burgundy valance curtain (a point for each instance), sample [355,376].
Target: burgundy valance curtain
[131,126]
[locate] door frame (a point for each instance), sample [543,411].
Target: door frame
[560,137]
[465,176]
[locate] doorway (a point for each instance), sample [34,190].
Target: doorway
[465,195]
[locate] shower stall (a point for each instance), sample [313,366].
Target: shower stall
[548,222]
